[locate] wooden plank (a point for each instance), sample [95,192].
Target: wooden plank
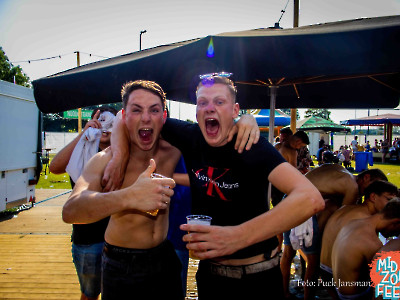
[35,255]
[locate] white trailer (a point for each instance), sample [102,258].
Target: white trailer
[20,144]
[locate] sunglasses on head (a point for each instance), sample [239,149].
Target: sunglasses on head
[210,75]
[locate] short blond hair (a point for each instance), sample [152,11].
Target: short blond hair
[213,79]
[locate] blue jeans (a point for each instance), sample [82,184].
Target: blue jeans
[141,273]
[87,260]
[315,247]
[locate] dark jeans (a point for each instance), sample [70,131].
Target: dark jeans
[262,285]
[141,274]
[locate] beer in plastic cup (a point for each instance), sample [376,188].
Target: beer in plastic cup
[197,219]
[154,212]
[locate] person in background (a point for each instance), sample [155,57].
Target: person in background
[338,187]
[385,149]
[304,160]
[87,239]
[347,157]
[354,144]
[377,195]
[355,246]
[284,135]
[290,147]
[367,147]
[321,142]
[319,154]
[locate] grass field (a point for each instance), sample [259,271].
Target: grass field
[53,181]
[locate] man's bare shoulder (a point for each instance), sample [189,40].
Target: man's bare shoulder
[330,170]
[167,148]
[99,160]
[286,148]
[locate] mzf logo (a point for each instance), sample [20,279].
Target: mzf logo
[385,275]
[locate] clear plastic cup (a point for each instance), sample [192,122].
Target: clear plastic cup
[154,212]
[200,220]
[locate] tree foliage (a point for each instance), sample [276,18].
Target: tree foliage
[288,111]
[11,73]
[315,112]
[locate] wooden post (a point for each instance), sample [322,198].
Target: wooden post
[78,62]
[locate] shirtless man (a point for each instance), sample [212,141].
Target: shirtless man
[355,247]
[377,195]
[339,187]
[291,145]
[137,257]
[284,135]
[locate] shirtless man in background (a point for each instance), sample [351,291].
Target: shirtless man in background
[339,187]
[284,135]
[289,148]
[355,247]
[133,235]
[377,195]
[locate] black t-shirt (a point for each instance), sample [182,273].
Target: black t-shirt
[230,187]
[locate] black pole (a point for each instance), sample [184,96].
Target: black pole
[140,39]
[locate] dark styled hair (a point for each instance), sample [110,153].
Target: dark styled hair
[150,86]
[286,130]
[302,136]
[379,187]
[104,108]
[375,174]
[392,209]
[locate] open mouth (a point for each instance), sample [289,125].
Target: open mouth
[212,127]
[146,134]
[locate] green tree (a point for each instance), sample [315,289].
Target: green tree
[315,112]
[9,72]
[289,112]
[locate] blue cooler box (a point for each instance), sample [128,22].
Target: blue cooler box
[362,160]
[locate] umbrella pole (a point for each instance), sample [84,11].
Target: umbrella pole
[271,128]
[272,113]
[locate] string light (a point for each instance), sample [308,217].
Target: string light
[57,56]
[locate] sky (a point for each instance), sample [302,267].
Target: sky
[36,30]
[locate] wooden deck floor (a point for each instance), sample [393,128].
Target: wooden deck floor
[35,254]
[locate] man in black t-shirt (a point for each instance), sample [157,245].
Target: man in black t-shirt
[238,253]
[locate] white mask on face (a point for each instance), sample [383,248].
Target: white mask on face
[106,119]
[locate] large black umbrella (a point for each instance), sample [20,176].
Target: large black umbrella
[347,64]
